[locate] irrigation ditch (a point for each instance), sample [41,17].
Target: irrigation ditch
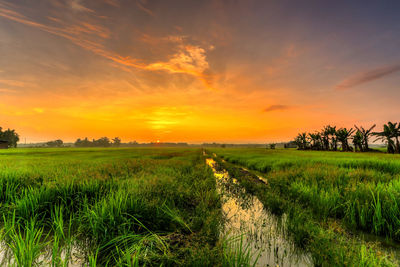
[263,233]
[266,233]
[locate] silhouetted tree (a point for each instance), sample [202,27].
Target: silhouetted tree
[395,127]
[10,136]
[390,130]
[330,133]
[83,143]
[329,137]
[325,135]
[343,135]
[315,140]
[301,141]
[358,141]
[55,143]
[365,136]
[102,142]
[116,142]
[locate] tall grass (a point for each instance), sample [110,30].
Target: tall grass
[25,241]
[121,207]
[360,189]
[237,253]
[315,189]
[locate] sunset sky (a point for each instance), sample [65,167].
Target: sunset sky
[196,71]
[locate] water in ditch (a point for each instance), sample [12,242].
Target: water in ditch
[263,232]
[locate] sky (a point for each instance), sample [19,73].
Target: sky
[196,71]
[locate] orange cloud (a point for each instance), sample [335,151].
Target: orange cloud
[14,83]
[189,60]
[77,6]
[276,107]
[6,90]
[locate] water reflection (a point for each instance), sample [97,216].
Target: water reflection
[73,258]
[263,232]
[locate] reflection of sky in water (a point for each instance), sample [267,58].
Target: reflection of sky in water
[76,257]
[264,232]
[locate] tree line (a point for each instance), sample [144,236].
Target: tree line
[10,136]
[101,142]
[330,138]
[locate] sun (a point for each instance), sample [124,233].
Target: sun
[158,141]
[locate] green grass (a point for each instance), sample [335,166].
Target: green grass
[148,206]
[327,196]
[117,207]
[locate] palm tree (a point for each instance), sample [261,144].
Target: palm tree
[331,131]
[358,141]
[315,140]
[395,129]
[389,131]
[396,134]
[325,135]
[365,136]
[301,141]
[343,135]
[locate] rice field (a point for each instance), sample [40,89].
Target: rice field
[195,207]
[108,207]
[343,208]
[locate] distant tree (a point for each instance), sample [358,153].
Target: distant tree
[301,141]
[396,135]
[394,130]
[390,130]
[83,143]
[272,146]
[102,142]
[55,143]
[343,135]
[328,138]
[331,131]
[10,136]
[116,142]
[78,142]
[365,136]
[315,140]
[325,135]
[358,141]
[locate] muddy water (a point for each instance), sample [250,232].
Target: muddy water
[264,233]
[75,257]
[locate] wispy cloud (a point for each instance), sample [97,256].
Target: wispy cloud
[141,4]
[276,108]
[78,6]
[190,59]
[367,76]
[6,90]
[72,33]
[114,3]
[14,83]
